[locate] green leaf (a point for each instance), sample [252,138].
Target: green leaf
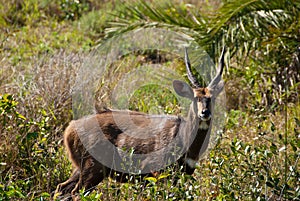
[21,116]
[162,176]
[151,179]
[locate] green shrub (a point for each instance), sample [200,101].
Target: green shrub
[28,156]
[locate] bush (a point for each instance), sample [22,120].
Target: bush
[33,117]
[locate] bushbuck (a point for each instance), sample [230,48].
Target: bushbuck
[143,134]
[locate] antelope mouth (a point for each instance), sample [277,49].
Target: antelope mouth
[204,116]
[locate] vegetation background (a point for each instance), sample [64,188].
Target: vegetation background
[42,44]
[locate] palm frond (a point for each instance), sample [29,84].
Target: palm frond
[178,17]
[251,24]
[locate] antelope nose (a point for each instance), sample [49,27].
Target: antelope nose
[205,115]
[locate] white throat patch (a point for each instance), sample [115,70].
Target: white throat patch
[203,125]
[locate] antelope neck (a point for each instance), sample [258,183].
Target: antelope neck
[199,141]
[196,132]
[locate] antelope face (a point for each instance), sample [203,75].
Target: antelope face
[203,98]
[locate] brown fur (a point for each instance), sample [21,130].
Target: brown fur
[202,92]
[88,172]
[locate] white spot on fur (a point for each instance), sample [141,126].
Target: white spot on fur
[191,163]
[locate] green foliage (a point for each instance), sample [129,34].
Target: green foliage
[20,13]
[261,36]
[30,150]
[29,12]
[73,9]
[155,14]
[255,172]
[94,23]
[154,99]
[33,28]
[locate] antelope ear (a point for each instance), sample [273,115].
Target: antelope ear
[217,84]
[183,89]
[217,89]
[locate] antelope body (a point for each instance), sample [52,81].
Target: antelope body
[149,134]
